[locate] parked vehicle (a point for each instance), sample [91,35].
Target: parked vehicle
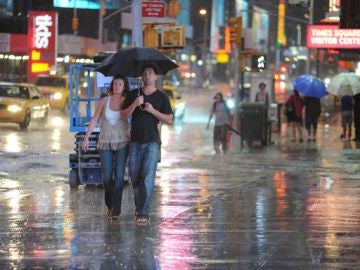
[178,104]
[22,103]
[56,89]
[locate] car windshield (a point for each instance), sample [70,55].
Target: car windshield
[50,81]
[15,91]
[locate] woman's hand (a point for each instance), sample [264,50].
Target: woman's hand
[85,144]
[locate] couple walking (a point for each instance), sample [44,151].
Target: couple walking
[146,107]
[294,115]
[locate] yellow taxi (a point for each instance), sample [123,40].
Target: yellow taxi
[178,104]
[22,103]
[56,89]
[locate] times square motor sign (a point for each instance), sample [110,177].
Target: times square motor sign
[42,41]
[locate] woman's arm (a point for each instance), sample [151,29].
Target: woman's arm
[93,123]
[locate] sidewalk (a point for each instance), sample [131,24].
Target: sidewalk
[283,206]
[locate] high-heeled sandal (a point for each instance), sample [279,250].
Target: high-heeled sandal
[142,220]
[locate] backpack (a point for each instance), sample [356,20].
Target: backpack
[227,109]
[290,108]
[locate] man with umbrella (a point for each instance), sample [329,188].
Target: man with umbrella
[147,108]
[312,114]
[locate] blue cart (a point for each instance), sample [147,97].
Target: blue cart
[85,167]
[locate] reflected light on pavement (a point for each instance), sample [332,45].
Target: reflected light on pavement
[165,133]
[57,121]
[56,140]
[12,143]
[13,195]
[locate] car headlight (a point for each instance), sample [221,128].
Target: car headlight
[57,95]
[14,108]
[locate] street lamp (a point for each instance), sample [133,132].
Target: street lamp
[203,13]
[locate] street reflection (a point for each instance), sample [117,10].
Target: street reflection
[56,140]
[12,143]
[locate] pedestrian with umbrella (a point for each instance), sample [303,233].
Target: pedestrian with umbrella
[312,114]
[356,110]
[148,107]
[313,89]
[348,84]
[295,119]
[346,116]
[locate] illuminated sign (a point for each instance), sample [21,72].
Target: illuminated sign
[281,37]
[153,9]
[331,37]
[86,4]
[42,41]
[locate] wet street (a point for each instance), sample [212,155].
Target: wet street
[283,206]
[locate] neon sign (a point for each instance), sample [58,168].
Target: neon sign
[42,37]
[331,37]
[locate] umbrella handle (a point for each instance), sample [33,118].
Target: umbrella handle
[138,83]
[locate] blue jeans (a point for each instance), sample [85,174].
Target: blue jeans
[143,160]
[113,168]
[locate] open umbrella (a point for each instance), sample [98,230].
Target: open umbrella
[310,86]
[131,61]
[346,83]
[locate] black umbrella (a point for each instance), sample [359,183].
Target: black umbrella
[131,61]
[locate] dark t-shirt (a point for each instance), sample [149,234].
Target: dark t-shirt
[143,124]
[346,103]
[312,107]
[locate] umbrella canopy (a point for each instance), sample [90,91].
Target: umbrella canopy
[310,86]
[346,83]
[131,61]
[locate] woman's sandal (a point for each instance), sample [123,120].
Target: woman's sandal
[116,217]
[142,220]
[108,212]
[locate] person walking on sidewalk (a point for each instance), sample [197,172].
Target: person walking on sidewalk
[223,119]
[113,143]
[312,114]
[147,107]
[295,120]
[263,97]
[346,116]
[356,110]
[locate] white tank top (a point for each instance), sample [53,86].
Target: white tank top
[111,116]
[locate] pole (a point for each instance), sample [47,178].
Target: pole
[75,16]
[311,9]
[137,39]
[100,25]
[205,48]
[235,142]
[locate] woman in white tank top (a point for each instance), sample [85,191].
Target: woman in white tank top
[113,143]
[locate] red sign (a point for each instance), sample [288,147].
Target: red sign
[153,9]
[42,42]
[331,37]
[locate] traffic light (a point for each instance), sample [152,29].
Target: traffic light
[258,62]
[151,37]
[235,29]
[75,23]
[174,8]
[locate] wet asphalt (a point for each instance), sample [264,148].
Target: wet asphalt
[281,206]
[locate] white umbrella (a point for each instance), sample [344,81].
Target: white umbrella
[346,83]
